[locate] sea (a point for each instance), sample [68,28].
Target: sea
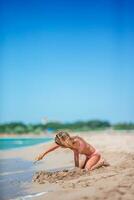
[12,143]
[16,172]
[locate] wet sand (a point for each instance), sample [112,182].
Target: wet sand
[57,177]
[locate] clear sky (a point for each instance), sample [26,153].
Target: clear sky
[67,60]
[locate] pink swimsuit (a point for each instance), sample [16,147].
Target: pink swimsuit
[96,152]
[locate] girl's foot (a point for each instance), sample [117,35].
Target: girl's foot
[105,163]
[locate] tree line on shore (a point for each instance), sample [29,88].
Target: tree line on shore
[19,127]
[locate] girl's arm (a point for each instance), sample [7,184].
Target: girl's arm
[76,159]
[51,148]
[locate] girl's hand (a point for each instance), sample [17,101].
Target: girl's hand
[39,157]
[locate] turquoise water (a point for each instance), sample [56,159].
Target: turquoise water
[10,143]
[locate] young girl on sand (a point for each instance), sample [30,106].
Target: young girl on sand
[78,145]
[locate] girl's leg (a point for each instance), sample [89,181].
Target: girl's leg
[82,162]
[92,162]
[95,162]
[100,163]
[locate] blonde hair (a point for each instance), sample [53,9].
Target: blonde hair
[63,139]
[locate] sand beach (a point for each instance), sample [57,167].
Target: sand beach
[56,178]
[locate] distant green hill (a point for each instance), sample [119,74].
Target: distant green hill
[18,127]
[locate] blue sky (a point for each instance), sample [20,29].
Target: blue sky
[67,60]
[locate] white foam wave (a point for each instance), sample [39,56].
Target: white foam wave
[29,196]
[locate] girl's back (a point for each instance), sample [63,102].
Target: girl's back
[84,147]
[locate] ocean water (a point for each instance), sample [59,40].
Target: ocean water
[11,143]
[15,173]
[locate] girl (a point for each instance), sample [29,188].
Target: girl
[78,145]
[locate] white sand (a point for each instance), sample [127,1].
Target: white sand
[114,182]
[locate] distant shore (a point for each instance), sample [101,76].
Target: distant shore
[52,126]
[47,134]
